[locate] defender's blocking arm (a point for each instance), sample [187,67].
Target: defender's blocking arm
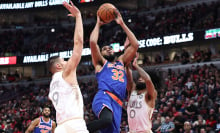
[78,38]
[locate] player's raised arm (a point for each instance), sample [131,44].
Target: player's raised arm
[131,50]
[128,68]
[151,91]
[130,81]
[78,38]
[97,58]
[33,124]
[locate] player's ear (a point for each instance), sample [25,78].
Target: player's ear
[58,66]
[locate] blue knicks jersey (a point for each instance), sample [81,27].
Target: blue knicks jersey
[43,127]
[112,78]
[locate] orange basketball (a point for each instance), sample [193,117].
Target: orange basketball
[107,12]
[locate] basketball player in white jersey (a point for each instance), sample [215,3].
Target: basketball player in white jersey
[64,92]
[142,97]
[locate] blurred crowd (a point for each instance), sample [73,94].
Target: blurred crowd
[184,57]
[57,36]
[188,100]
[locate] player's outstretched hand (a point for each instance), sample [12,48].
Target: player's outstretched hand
[72,9]
[119,20]
[99,21]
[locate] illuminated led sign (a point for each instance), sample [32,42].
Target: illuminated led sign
[166,40]
[32,4]
[158,41]
[45,57]
[212,33]
[8,60]
[85,1]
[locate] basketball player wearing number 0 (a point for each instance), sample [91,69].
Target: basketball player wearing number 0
[112,81]
[142,96]
[64,92]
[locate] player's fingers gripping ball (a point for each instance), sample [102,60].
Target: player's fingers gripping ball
[107,12]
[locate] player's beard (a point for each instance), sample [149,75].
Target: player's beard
[140,86]
[46,116]
[109,58]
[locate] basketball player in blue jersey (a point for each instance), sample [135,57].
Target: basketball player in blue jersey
[112,81]
[42,124]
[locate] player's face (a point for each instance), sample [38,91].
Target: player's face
[108,53]
[46,112]
[107,50]
[140,85]
[140,79]
[62,62]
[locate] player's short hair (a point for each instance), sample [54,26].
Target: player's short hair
[51,62]
[104,46]
[46,106]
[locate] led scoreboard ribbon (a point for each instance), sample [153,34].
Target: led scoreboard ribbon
[32,4]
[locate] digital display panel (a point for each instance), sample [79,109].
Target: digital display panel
[8,60]
[30,4]
[212,33]
[85,1]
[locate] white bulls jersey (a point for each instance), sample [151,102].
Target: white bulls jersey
[67,99]
[139,113]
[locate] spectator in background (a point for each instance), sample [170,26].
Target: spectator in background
[156,124]
[184,57]
[191,110]
[178,121]
[207,55]
[189,83]
[124,127]
[217,98]
[199,121]
[158,59]
[197,56]
[207,102]
[176,58]
[211,121]
[167,126]
[146,60]
[188,127]
[202,130]
[218,121]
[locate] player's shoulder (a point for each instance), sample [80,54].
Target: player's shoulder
[36,121]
